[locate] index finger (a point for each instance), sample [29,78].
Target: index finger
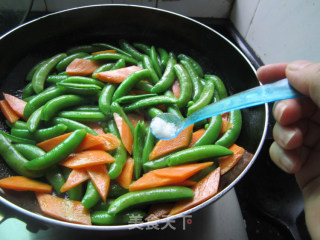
[272,72]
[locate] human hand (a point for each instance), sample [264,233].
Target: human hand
[297,132]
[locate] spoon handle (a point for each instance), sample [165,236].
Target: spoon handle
[256,96]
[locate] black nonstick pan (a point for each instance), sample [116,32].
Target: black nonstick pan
[26,45]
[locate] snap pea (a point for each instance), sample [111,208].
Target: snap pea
[57,154]
[121,63]
[173,108]
[164,57]
[19,124]
[138,136]
[105,99]
[79,88]
[232,134]
[155,61]
[167,78]
[147,64]
[103,206]
[103,218]
[148,102]
[147,148]
[15,160]
[83,48]
[42,73]
[34,120]
[194,63]
[161,194]
[74,193]
[53,106]
[142,47]
[204,172]
[15,139]
[104,67]
[197,153]
[83,116]
[91,108]
[130,82]
[56,78]
[30,74]
[114,57]
[55,177]
[127,47]
[29,151]
[153,112]
[144,86]
[185,85]
[73,125]
[106,46]
[116,190]
[27,91]
[133,98]
[156,164]
[116,108]
[83,80]
[91,196]
[63,63]
[219,85]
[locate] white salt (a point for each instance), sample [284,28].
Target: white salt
[162,128]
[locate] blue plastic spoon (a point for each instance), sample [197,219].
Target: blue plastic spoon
[167,126]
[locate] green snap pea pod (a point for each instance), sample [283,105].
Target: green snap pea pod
[29,151]
[138,136]
[105,99]
[147,148]
[121,63]
[197,153]
[196,82]
[173,108]
[19,124]
[104,67]
[147,64]
[27,99]
[92,108]
[133,98]
[156,164]
[34,120]
[30,74]
[116,108]
[140,64]
[185,85]
[55,177]
[197,67]
[41,99]
[105,46]
[53,106]
[15,139]
[143,48]
[83,48]
[41,134]
[56,78]
[130,82]
[91,196]
[83,116]
[116,190]
[212,132]
[172,55]
[74,193]
[232,134]
[15,160]
[79,88]
[42,73]
[161,194]
[83,80]
[103,218]
[155,61]
[219,85]
[114,57]
[127,47]
[149,102]
[73,125]
[164,57]
[63,63]
[153,112]
[58,153]
[144,86]
[120,155]
[103,206]
[27,91]
[167,78]
[204,99]
[204,172]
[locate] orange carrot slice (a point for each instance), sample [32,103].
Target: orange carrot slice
[225,125]
[104,51]
[164,147]
[87,158]
[125,178]
[66,210]
[82,67]
[203,190]
[118,75]
[228,162]
[100,178]
[20,183]
[111,142]
[15,103]
[135,118]
[8,112]
[158,211]
[125,133]
[176,88]
[76,177]
[96,127]
[196,136]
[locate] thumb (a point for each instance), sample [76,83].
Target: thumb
[305,77]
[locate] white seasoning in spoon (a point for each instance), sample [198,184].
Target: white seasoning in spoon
[162,128]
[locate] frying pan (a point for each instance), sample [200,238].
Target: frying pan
[26,45]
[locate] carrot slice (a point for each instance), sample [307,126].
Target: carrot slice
[135,118]
[175,176]
[164,147]
[104,51]
[100,178]
[8,112]
[203,190]
[88,142]
[111,142]
[82,67]
[176,88]
[63,209]
[125,178]
[196,136]
[20,183]
[76,177]
[158,211]
[225,125]
[186,183]
[118,75]
[228,162]
[125,133]
[15,103]
[96,127]
[87,158]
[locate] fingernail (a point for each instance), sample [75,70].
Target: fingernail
[287,163]
[278,109]
[288,136]
[295,66]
